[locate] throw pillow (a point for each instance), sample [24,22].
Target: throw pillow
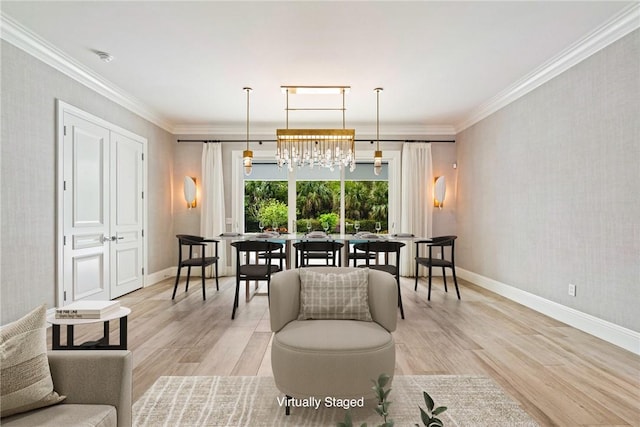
[25,382]
[334,295]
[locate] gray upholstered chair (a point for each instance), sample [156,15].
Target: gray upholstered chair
[331,358]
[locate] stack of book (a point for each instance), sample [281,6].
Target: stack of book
[87,310]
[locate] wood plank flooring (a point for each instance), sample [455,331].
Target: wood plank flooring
[560,375]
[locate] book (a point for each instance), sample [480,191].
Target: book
[87,309]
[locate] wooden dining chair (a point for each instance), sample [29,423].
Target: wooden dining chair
[428,260]
[191,259]
[328,250]
[254,268]
[390,252]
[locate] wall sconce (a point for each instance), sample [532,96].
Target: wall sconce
[439,191]
[190,191]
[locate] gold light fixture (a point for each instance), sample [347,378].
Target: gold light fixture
[439,191]
[377,156]
[316,147]
[247,155]
[190,191]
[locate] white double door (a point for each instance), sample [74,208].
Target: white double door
[103,211]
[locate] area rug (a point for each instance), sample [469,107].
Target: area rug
[255,401]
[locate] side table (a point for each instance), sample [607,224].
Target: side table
[102,343]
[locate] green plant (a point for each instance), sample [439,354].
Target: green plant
[429,418]
[381,409]
[383,403]
[273,212]
[330,218]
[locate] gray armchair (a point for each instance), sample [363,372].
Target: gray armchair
[331,358]
[97,384]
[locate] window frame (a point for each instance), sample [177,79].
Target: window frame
[392,157]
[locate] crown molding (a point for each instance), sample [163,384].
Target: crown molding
[24,39]
[617,27]
[362,131]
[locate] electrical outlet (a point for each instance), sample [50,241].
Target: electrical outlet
[572,290]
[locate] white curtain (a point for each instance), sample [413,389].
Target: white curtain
[417,199]
[212,219]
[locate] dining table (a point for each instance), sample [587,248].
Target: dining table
[288,239]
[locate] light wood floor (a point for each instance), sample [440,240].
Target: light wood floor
[560,375]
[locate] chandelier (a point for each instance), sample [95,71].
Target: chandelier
[326,148]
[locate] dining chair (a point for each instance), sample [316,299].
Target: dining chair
[250,268]
[279,256]
[191,259]
[430,261]
[390,252]
[355,254]
[327,250]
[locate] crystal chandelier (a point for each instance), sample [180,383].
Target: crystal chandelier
[328,148]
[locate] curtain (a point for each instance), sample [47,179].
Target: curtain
[416,200]
[212,219]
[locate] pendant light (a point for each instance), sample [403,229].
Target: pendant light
[377,157]
[247,155]
[316,147]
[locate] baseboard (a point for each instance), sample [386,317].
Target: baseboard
[159,276]
[610,332]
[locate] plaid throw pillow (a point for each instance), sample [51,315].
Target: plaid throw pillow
[334,295]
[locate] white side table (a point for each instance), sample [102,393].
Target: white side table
[102,343]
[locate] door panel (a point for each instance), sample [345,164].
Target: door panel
[126,215]
[86,204]
[87,278]
[89,181]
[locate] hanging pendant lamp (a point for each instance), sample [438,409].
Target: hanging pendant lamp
[247,155]
[377,157]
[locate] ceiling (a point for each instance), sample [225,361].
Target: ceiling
[443,65]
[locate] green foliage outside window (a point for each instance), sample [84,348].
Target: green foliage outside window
[365,202]
[273,212]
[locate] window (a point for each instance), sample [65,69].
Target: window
[315,196]
[266,199]
[319,195]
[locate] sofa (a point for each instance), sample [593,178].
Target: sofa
[331,357]
[97,385]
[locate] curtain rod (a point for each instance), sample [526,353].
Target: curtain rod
[260,141]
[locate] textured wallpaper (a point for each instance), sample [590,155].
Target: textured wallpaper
[549,188]
[28,175]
